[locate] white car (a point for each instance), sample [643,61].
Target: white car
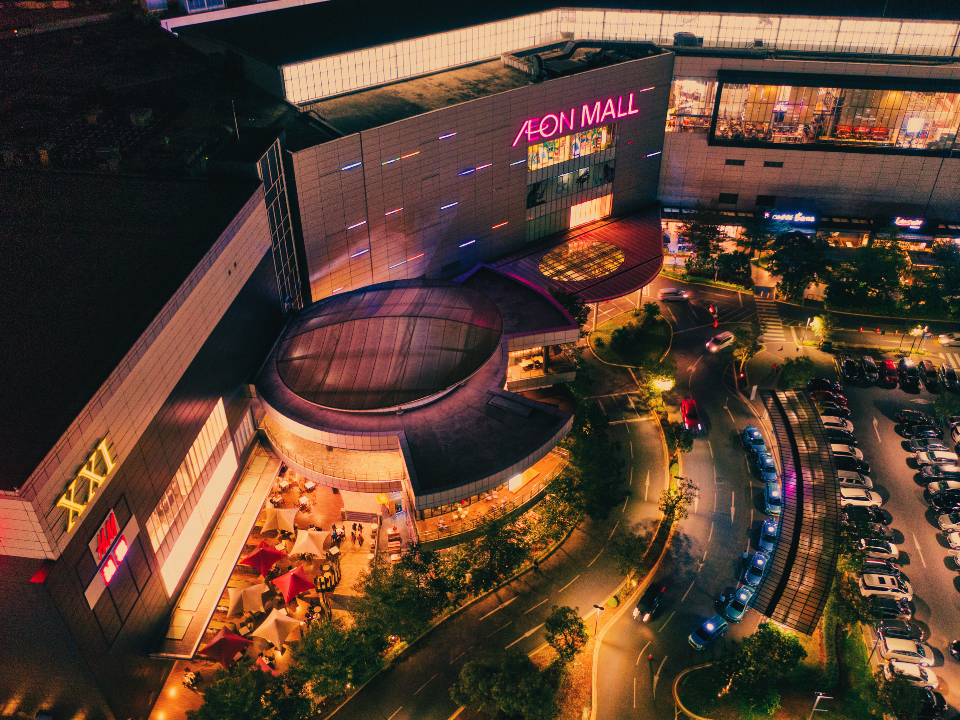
[942,485]
[837,449]
[852,479]
[860,497]
[950,522]
[882,549]
[950,339]
[936,457]
[909,651]
[915,675]
[672,294]
[719,342]
[953,540]
[829,421]
[885,586]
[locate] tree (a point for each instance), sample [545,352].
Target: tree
[509,684]
[566,632]
[651,314]
[497,554]
[851,606]
[705,235]
[823,325]
[675,500]
[246,691]
[874,278]
[797,371]
[572,303]
[760,232]
[679,437]
[897,696]
[330,656]
[798,260]
[629,549]
[746,343]
[946,405]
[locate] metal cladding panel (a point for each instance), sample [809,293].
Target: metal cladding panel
[802,568]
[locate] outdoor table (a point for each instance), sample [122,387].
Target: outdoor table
[310,485]
[326,568]
[334,550]
[284,484]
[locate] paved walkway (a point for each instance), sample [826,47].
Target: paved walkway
[771,326]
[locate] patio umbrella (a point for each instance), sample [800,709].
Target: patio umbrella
[276,627]
[293,583]
[309,542]
[265,666]
[280,519]
[246,599]
[224,647]
[264,557]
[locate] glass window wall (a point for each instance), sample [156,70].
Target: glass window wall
[565,148]
[691,104]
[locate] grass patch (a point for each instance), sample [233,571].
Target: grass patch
[703,281]
[651,348]
[857,700]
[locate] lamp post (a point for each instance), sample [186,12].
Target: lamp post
[809,320]
[820,696]
[596,628]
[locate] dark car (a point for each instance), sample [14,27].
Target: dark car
[909,374]
[898,608]
[827,396]
[647,607]
[860,514]
[928,372]
[931,473]
[888,372]
[948,377]
[852,465]
[945,501]
[918,432]
[879,567]
[909,418]
[841,436]
[932,704]
[824,384]
[900,629]
[869,370]
[833,410]
[848,366]
[952,421]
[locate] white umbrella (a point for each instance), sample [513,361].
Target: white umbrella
[309,542]
[246,599]
[276,627]
[280,519]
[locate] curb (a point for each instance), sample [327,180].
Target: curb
[676,697]
[883,317]
[674,276]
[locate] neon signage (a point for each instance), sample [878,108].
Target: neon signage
[544,128]
[911,223]
[790,217]
[94,472]
[109,547]
[112,564]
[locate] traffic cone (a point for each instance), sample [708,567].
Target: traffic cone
[781,347]
[878,331]
[861,328]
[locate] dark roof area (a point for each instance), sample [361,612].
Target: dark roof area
[88,262]
[339,26]
[524,308]
[388,345]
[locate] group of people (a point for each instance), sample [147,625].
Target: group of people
[356,533]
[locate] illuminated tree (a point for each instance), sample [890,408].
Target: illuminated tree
[566,632]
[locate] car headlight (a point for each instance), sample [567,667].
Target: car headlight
[646,616]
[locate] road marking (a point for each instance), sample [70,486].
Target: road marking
[631,448]
[500,607]
[657,676]
[688,591]
[631,474]
[732,419]
[714,474]
[641,653]
[646,487]
[751,517]
[696,504]
[466,651]
[398,710]
[536,650]
[704,558]
[623,509]
[500,628]
[596,558]
[715,496]
[568,585]
[536,606]
[919,552]
[711,450]
[424,685]
[710,536]
[875,429]
[634,694]
[601,407]
[666,621]
[527,634]
[618,522]
[733,496]
[459,710]
[740,296]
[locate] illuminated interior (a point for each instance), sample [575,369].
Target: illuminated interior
[591,210]
[565,148]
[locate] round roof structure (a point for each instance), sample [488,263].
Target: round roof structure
[388,347]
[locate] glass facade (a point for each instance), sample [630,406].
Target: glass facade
[691,104]
[827,115]
[545,191]
[565,148]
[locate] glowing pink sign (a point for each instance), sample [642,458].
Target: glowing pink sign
[557,123]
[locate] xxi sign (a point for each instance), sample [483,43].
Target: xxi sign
[92,474]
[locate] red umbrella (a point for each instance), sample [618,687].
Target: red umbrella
[264,557]
[293,583]
[265,666]
[224,647]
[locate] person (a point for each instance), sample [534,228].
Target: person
[354,527]
[360,539]
[353,536]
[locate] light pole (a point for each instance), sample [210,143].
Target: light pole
[596,627]
[820,696]
[809,320]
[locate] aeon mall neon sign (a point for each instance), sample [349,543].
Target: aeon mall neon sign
[544,128]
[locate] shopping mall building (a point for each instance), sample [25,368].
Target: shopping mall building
[349,269]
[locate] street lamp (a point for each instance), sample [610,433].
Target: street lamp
[596,628]
[820,696]
[663,385]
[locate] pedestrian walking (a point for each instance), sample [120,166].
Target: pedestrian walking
[354,527]
[360,539]
[353,536]
[536,565]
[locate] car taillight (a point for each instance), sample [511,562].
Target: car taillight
[646,616]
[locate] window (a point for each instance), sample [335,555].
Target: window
[728,198]
[691,104]
[565,148]
[731,161]
[766,200]
[771,163]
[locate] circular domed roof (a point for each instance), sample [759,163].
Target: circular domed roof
[388,346]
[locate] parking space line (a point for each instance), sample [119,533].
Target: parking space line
[424,685]
[688,591]
[395,713]
[568,585]
[710,447]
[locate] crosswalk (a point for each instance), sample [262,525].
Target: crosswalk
[771,327]
[951,358]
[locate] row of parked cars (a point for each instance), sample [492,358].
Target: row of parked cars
[906,373]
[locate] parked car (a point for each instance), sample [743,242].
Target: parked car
[773,499]
[852,479]
[836,435]
[909,651]
[872,515]
[945,502]
[948,377]
[909,373]
[848,368]
[885,586]
[876,566]
[859,496]
[767,468]
[768,535]
[832,421]
[691,418]
[888,373]
[852,465]
[941,485]
[928,373]
[909,418]
[754,572]
[869,370]
[708,631]
[719,342]
[669,294]
[839,449]
[953,540]
[950,339]
[893,608]
[649,601]
[752,440]
[879,549]
[737,607]
[832,409]
[899,629]
[824,384]
[915,675]
[921,444]
[939,472]
[932,704]
[952,421]
[828,397]
[936,457]
[950,522]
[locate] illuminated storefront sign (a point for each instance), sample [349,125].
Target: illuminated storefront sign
[542,128]
[790,217]
[110,567]
[91,476]
[910,223]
